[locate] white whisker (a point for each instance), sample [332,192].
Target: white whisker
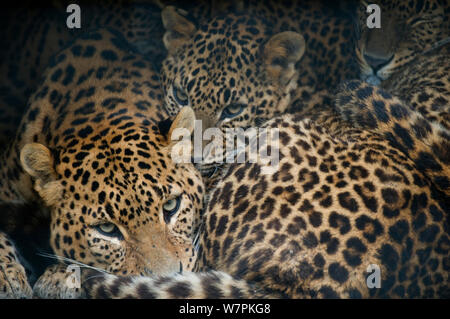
[66,260]
[92,277]
[196,241]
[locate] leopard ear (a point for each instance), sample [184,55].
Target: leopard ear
[178,28]
[281,53]
[37,160]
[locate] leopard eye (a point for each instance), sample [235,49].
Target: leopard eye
[170,208]
[108,229]
[232,110]
[180,96]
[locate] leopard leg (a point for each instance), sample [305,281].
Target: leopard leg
[59,281]
[13,278]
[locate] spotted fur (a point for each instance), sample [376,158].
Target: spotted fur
[13,279]
[30,36]
[424,85]
[425,142]
[328,33]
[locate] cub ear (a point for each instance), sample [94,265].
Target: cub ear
[37,160]
[178,28]
[281,53]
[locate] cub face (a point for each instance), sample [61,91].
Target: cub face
[231,70]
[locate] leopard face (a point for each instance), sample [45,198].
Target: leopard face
[408,29]
[124,207]
[230,70]
[98,152]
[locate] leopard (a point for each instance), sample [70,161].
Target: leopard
[408,56]
[94,151]
[342,203]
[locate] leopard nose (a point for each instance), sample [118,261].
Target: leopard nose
[377,63]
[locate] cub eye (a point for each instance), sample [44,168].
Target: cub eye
[108,229]
[232,110]
[180,96]
[170,208]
